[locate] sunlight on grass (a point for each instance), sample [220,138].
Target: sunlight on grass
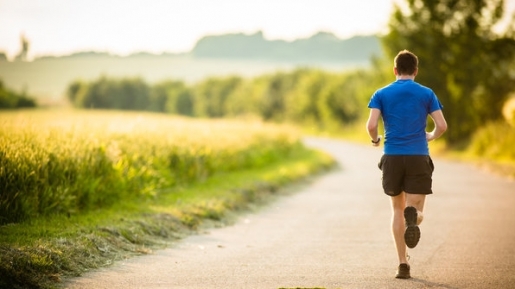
[80,160]
[165,176]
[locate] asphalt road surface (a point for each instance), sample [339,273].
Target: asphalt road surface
[335,233]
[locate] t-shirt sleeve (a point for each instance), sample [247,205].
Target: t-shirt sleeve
[375,101]
[434,103]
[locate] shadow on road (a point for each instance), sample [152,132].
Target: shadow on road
[429,284]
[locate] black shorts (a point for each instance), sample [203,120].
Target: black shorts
[409,173]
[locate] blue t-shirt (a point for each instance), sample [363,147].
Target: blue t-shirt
[404,106]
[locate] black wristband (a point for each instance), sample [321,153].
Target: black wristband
[376,142]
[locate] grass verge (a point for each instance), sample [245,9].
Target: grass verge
[43,252]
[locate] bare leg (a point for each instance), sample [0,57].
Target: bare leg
[398,205]
[416,201]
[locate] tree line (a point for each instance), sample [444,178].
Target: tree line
[470,67]
[10,99]
[303,96]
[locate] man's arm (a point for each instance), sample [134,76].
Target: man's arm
[372,124]
[440,125]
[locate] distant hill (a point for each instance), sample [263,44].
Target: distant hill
[321,47]
[47,77]
[100,54]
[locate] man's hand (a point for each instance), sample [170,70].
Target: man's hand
[429,136]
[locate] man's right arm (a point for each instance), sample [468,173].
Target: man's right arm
[440,125]
[372,125]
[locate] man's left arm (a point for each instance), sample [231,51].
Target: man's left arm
[440,125]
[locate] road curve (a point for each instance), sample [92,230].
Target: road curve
[335,233]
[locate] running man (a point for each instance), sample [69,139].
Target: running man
[407,168]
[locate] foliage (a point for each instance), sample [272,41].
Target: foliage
[494,141]
[508,110]
[173,97]
[211,96]
[304,96]
[12,100]
[272,92]
[87,161]
[127,94]
[469,67]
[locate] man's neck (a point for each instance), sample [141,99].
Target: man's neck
[405,77]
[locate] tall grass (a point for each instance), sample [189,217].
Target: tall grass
[55,162]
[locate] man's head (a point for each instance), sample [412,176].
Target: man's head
[405,63]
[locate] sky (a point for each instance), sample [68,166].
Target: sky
[60,27]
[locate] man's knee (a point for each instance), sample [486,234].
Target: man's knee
[415,200]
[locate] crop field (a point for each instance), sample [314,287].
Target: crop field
[69,161]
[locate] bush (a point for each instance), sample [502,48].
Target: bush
[494,141]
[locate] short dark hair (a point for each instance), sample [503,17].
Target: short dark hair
[406,62]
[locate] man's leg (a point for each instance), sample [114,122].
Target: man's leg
[413,217]
[398,226]
[399,203]
[417,201]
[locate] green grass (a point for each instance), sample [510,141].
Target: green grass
[82,189]
[41,252]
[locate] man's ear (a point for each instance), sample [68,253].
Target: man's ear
[416,72]
[395,71]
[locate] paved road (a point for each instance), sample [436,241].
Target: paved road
[334,233]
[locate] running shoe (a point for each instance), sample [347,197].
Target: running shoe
[412,233]
[403,271]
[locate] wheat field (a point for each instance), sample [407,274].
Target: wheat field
[70,161]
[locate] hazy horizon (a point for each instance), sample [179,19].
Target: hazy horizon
[59,27]
[11,58]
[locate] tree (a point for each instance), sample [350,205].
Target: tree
[469,66]
[178,97]
[24,51]
[272,105]
[73,90]
[12,100]
[130,94]
[211,95]
[158,97]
